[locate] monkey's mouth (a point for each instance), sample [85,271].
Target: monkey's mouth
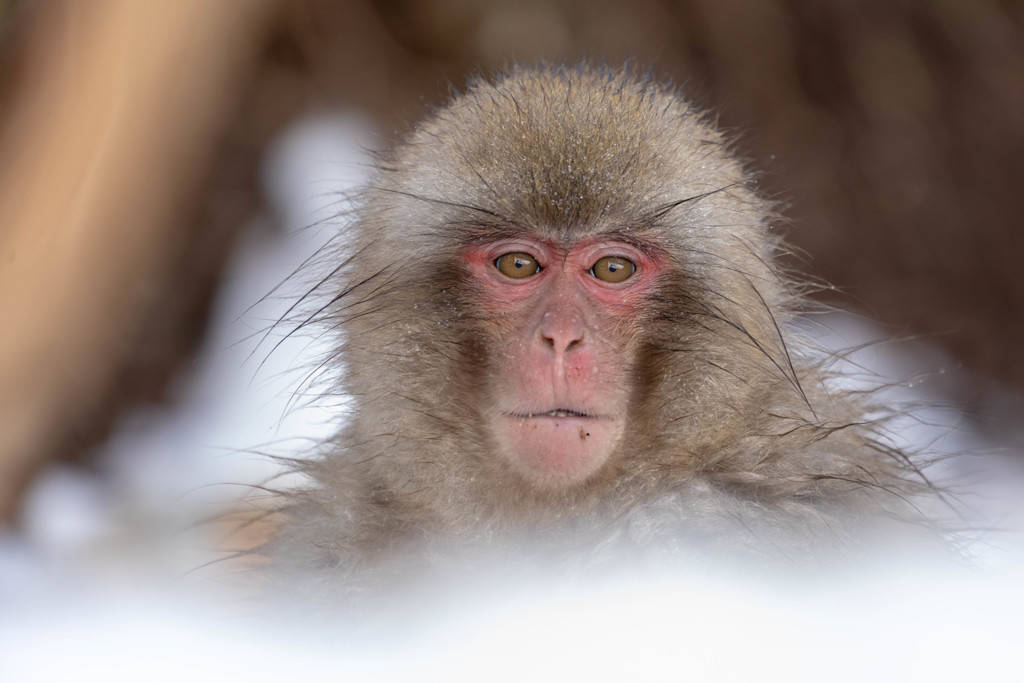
[557,412]
[558,446]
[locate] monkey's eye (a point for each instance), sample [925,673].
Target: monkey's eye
[517,265]
[613,269]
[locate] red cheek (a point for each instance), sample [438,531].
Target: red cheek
[618,303]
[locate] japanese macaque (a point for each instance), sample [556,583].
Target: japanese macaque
[564,333]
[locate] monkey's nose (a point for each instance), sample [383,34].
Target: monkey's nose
[561,333]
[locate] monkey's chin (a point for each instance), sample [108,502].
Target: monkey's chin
[557,451]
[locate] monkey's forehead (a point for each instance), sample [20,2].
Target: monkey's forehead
[568,148]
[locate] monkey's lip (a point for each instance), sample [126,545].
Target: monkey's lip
[556,412]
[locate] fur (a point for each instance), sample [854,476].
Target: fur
[736,444]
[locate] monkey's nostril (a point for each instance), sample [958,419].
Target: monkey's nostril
[562,340]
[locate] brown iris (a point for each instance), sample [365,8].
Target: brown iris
[613,269]
[517,265]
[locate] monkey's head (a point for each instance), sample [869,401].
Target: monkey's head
[551,273]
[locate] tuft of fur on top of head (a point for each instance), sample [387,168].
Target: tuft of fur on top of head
[734,438]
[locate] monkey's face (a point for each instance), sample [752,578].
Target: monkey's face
[562,320]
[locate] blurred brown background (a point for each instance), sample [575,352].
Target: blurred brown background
[131,135]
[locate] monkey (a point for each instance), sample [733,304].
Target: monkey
[560,317]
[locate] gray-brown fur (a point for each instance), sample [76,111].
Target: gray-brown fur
[734,444]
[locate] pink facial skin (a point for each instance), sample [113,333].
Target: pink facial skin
[559,378]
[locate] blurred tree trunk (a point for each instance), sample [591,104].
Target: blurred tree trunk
[111,118]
